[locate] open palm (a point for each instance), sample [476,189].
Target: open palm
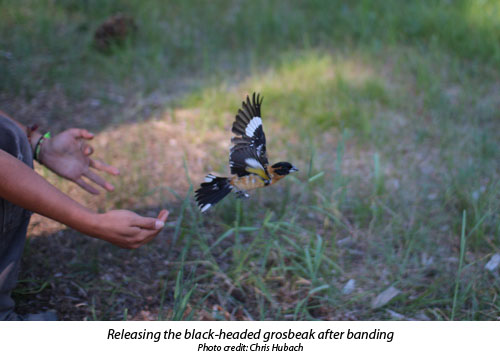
[68,155]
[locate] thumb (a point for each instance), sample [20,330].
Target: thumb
[148,223]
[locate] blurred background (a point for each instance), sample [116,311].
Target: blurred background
[390,109]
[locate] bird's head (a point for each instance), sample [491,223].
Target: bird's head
[283,168]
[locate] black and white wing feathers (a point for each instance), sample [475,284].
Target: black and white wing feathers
[250,140]
[244,161]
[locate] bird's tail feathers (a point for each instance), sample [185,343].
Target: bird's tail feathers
[212,190]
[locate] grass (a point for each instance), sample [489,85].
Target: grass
[460,265]
[389,109]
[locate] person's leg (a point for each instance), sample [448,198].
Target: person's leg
[13,219]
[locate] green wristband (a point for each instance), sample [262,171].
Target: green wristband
[39,146]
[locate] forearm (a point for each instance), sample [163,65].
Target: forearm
[22,186]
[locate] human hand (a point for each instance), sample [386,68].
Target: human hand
[68,155]
[127,229]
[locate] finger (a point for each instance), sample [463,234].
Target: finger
[97,179]
[147,223]
[163,215]
[97,164]
[147,236]
[142,237]
[81,133]
[87,149]
[86,186]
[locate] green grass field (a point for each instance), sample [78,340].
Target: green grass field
[390,109]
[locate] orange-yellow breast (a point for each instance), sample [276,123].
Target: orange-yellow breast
[254,181]
[248,182]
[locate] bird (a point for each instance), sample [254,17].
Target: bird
[248,161]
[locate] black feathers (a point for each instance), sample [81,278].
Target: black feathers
[243,158]
[212,191]
[249,110]
[250,140]
[283,168]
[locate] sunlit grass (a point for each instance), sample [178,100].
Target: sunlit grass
[309,92]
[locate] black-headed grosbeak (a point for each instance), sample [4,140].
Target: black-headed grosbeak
[247,159]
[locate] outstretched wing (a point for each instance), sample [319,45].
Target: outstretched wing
[249,145]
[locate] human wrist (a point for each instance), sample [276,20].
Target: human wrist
[100,227]
[43,140]
[92,223]
[84,220]
[34,138]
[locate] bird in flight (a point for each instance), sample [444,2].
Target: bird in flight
[250,168]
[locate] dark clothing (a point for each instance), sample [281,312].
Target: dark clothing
[13,219]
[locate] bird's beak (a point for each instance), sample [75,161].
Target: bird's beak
[293,170]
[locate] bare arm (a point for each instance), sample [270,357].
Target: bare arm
[24,187]
[68,155]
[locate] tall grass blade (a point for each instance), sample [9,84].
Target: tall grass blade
[460,265]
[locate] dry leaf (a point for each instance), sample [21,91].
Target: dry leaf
[493,263]
[385,297]
[349,287]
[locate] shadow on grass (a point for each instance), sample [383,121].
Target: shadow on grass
[86,278]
